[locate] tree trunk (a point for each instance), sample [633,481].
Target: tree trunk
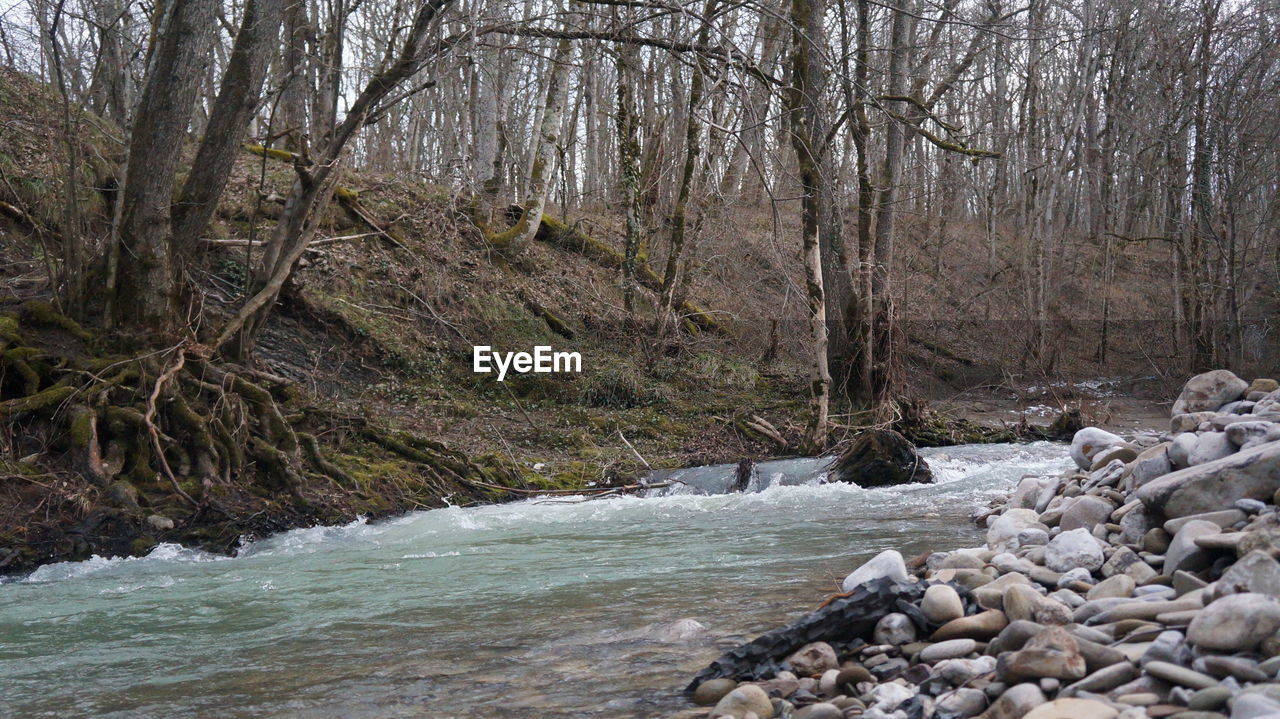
[146,298]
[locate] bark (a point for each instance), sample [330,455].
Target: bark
[235,105]
[146,298]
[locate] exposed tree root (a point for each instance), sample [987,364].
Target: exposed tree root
[176,432]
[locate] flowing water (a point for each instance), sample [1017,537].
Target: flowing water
[532,609]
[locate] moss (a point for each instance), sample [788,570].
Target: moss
[33,402]
[142,545]
[43,313]
[9,329]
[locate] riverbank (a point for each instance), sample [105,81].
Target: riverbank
[1145,584]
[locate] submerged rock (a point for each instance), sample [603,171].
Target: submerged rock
[878,458]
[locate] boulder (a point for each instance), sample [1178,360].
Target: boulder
[1089,442]
[1235,623]
[1071,549]
[1249,474]
[879,458]
[1208,391]
[888,563]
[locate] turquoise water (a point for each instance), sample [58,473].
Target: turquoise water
[543,608]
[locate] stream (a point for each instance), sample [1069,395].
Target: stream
[541,608]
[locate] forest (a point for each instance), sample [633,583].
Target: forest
[832,211]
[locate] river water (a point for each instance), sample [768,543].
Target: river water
[532,609]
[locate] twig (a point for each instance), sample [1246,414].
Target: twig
[633,451]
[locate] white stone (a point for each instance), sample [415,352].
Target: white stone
[1211,446]
[888,563]
[1003,533]
[1235,623]
[1088,442]
[1076,548]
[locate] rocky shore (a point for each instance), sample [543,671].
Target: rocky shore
[1145,584]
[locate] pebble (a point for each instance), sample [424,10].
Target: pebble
[813,659]
[1209,698]
[744,699]
[888,563]
[1071,549]
[1070,708]
[712,691]
[961,703]
[1121,585]
[894,629]
[950,649]
[821,710]
[941,604]
[1179,675]
[982,626]
[1015,702]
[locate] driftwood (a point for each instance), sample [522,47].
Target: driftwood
[842,621]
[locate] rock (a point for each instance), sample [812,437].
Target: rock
[1248,474]
[1266,386]
[159,523]
[1026,494]
[1251,506]
[1181,676]
[1051,653]
[1266,540]
[1256,572]
[950,649]
[960,704]
[1103,680]
[1208,391]
[888,563]
[1210,698]
[1086,512]
[1069,708]
[888,697]
[962,671]
[1181,448]
[1250,434]
[1244,670]
[1222,518]
[1071,549]
[1032,537]
[1211,446]
[1002,534]
[895,629]
[1170,647]
[1235,623]
[712,691]
[1120,585]
[821,710]
[746,698]
[1249,705]
[981,626]
[1088,442]
[1183,553]
[1125,453]
[1151,463]
[1156,541]
[879,458]
[941,604]
[1015,702]
[991,595]
[1184,582]
[813,659]
[1189,422]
